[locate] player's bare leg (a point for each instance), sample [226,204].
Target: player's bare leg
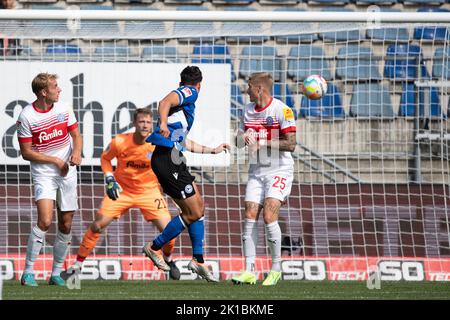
[36,239]
[61,246]
[273,234]
[250,241]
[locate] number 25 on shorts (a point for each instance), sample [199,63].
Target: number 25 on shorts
[279,182]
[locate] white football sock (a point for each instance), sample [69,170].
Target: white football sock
[34,246]
[250,239]
[273,234]
[60,249]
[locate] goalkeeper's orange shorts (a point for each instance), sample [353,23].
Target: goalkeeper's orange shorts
[152,205]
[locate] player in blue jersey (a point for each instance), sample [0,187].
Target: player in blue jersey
[176,117]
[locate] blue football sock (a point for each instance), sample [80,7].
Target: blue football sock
[197,234]
[172,230]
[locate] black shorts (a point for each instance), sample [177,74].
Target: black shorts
[169,166]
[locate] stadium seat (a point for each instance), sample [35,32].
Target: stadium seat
[402,61]
[433,33]
[144,29]
[355,62]
[286,97]
[233,2]
[160,53]
[377,2]
[237,102]
[216,53]
[279,2]
[441,64]
[305,60]
[106,29]
[113,53]
[297,35]
[182,29]
[242,32]
[329,106]
[183,2]
[334,36]
[134,1]
[408,101]
[337,2]
[259,59]
[370,100]
[388,34]
[63,49]
[423,2]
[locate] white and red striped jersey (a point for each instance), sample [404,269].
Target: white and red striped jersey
[269,123]
[48,131]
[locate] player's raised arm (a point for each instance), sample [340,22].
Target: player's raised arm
[169,101]
[113,188]
[194,147]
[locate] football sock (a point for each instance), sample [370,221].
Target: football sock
[197,234]
[87,244]
[171,231]
[273,233]
[250,239]
[167,249]
[60,248]
[34,245]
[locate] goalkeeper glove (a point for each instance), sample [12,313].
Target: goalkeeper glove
[113,189]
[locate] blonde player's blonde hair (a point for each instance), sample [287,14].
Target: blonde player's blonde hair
[40,82]
[262,78]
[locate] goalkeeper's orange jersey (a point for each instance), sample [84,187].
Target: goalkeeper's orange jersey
[133,171]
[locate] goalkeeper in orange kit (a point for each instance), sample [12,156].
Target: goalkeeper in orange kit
[132,185]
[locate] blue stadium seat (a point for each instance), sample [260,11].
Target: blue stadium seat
[388,34]
[340,2]
[243,32]
[441,64]
[233,2]
[63,49]
[305,60]
[329,106]
[237,102]
[295,32]
[160,53]
[278,2]
[357,63]
[402,61]
[183,29]
[142,29]
[334,36]
[213,53]
[184,2]
[408,101]
[370,100]
[377,2]
[432,33]
[423,2]
[259,59]
[287,97]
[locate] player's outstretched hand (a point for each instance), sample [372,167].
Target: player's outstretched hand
[113,189]
[223,147]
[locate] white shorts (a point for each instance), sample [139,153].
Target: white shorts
[61,189]
[276,184]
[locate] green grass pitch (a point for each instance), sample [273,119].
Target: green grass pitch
[225,290]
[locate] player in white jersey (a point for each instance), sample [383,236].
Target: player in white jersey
[269,131]
[44,129]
